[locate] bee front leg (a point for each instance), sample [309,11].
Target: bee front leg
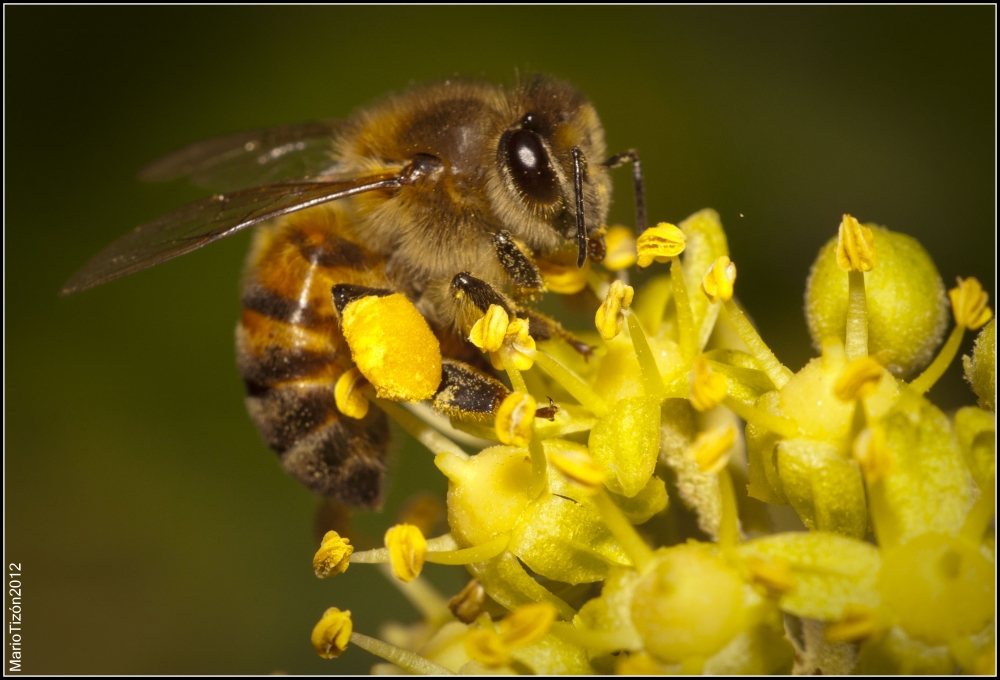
[519,268]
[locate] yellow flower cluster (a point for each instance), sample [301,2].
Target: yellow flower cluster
[629,530]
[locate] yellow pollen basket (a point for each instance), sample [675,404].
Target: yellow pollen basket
[393,347]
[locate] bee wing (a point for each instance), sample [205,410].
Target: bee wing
[200,223]
[251,158]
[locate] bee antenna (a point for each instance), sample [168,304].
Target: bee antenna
[581,228]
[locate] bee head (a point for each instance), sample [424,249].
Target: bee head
[544,190]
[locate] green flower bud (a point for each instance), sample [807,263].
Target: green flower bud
[939,587]
[981,367]
[691,604]
[907,307]
[626,442]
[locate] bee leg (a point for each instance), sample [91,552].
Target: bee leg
[519,268]
[543,327]
[466,288]
[640,192]
[346,293]
[467,393]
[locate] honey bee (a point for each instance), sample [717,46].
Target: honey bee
[452,194]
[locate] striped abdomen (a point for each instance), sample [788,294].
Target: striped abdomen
[290,353]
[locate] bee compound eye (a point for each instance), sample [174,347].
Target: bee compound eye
[530,167]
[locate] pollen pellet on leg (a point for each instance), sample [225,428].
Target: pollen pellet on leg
[393,347]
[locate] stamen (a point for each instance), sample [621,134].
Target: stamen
[579,468]
[406,660]
[478,553]
[514,419]
[661,243]
[467,605]
[858,624]
[489,332]
[407,550]
[527,624]
[872,454]
[780,425]
[729,521]
[573,384]
[333,556]
[708,388]
[856,255]
[859,380]
[331,635]
[421,431]
[710,450]
[652,381]
[717,284]
[773,573]
[774,369]
[968,307]
[610,315]
[348,395]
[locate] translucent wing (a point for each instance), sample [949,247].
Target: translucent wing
[198,224]
[252,158]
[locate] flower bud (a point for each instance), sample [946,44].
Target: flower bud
[906,305]
[981,367]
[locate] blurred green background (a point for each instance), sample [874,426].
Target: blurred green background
[157,534]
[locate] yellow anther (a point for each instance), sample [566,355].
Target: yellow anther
[488,333]
[486,647]
[968,304]
[579,468]
[610,315]
[774,573]
[347,394]
[332,633]
[521,343]
[859,380]
[639,664]
[718,281]
[858,624]
[872,454]
[621,248]
[333,555]
[855,246]
[711,449]
[660,243]
[514,419]
[527,624]
[708,388]
[407,551]
[564,279]
[467,605]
